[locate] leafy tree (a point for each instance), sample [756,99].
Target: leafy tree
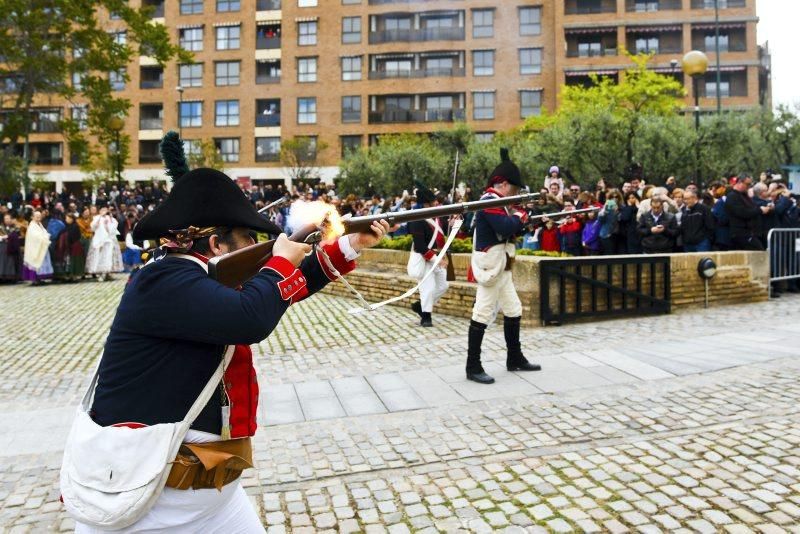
[299,156]
[49,44]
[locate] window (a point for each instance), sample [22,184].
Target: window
[711,42]
[228,37]
[120,38]
[191,39]
[77,81]
[80,114]
[439,64]
[268,148]
[224,6]
[530,103]
[306,3]
[642,6]
[396,23]
[346,2]
[351,68]
[228,148]
[530,60]
[590,49]
[117,80]
[530,20]
[227,113]
[192,147]
[435,103]
[724,87]
[351,108]
[646,45]
[306,110]
[307,69]
[311,149]
[190,75]
[190,114]
[191,7]
[350,143]
[351,30]
[483,63]
[307,33]
[226,72]
[482,23]
[483,106]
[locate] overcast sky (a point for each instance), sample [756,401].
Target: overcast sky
[779,24]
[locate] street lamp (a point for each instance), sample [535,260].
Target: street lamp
[180,110]
[706,268]
[116,124]
[695,64]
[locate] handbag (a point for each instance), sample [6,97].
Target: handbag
[111,476]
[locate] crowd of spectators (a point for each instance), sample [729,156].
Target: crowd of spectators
[633,217]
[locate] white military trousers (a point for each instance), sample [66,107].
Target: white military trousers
[502,295]
[433,288]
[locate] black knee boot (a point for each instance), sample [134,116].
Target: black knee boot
[515,360]
[475,370]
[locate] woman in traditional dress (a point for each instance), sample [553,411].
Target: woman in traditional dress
[105,256]
[76,263]
[36,266]
[9,250]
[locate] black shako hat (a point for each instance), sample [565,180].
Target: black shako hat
[507,171]
[423,194]
[201,198]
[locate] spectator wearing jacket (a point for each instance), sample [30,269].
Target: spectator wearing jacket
[570,233]
[627,223]
[722,230]
[744,216]
[612,241]
[550,237]
[590,237]
[697,224]
[658,229]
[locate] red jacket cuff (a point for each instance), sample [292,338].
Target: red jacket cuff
[293,287]
[337,259]
[429,255]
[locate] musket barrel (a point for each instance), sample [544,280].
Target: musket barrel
[360,224]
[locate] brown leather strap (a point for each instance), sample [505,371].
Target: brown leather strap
[210,465]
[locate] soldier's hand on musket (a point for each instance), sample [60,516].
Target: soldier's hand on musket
[370,238]
[292,251]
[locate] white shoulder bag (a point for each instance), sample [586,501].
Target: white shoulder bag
[111,476]
[417,266]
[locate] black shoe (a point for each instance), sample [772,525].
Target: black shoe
[524,366]
[417,308]
[426,319]
[480,378]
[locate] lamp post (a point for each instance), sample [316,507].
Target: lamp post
[695,64]
[180,110]
[116,124]
[716,45]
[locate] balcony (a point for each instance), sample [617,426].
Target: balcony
[157,6]
[151,77]
[391,116]
[268,5]
[150,123]
[592,52]
[267,43]
[417,73]
[723,4]
[46,160]
[649,6]
[273,119]
[45,126]
[589,7]
[420,35]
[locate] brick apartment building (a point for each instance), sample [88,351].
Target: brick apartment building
[344,72]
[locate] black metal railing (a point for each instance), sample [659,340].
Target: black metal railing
[273,119]
[150,123]
[723,4]
[151,84]
[268,43]
[424,34]
[592,53]
[264,78]
[416,73]
[590,9]
[271,156]
[650,6]
[582,288]
[268,5]
[149,158]
[425,115]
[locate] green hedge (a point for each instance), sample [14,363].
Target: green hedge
[459,246]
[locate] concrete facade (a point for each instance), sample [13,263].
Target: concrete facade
[423,65]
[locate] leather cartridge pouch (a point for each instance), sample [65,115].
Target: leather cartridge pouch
[210,465]
[509,262]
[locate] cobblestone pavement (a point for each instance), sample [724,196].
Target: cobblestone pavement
[714,451]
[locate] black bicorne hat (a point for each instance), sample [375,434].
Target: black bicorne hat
[423,194]
[507,171]
[201,198]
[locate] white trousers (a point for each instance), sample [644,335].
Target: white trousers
[192,511]
[501,294]
[432,289]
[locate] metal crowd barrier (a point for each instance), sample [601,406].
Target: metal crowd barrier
[783,245]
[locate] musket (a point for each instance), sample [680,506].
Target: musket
[451,270]
[278,203]
[562,213]
[237,267]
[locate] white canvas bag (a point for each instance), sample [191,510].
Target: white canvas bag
[417,265]
[111,476]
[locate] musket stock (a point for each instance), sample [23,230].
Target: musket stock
[237,267]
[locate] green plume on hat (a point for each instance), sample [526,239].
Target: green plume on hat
[171,148]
